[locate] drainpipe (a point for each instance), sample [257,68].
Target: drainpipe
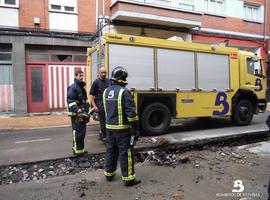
[97,13]
[103,9]
[103,13]
[265,23]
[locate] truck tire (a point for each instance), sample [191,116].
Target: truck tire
[242,113]
[155,119]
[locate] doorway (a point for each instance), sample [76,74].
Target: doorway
[37,88]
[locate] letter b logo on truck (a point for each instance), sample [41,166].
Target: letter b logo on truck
[221,99]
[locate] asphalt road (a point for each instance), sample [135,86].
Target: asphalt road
[45,144]
[226,173]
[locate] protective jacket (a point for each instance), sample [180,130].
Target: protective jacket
[119,108]
[121,119]
[76,98]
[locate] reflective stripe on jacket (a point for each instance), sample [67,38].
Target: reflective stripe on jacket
[119,108]
[76,98]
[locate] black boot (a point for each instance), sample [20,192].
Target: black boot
[109,178]
[79,154]
[100,136]
[131,183]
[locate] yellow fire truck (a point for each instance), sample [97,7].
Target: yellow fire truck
[175,79]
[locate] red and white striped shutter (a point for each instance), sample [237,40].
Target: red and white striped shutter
[60,77]
[6,89]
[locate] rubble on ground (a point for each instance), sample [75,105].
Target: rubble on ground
[198,156]
[46,169]
[172,158]
[82,186]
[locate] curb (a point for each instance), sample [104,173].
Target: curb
[176,145]
[39,128]
[35,128]
[206,141]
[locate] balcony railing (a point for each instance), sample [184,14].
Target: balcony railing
[174,4]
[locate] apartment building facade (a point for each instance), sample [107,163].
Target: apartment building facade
[42,42]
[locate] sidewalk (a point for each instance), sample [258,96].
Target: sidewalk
[36,121]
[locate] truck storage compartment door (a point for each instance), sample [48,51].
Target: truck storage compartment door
[139,62]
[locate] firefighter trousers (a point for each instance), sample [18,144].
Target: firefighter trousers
[78,134]
[102,119]
[118,145]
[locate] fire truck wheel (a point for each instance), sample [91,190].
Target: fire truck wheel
[243,113]
[155,119]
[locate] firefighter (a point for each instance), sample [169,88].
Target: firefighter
[96,91]
[122,128]
[78,108]
[268,125]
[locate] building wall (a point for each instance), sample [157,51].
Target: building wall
[18,65]
[155,11]
[232,24]
[252,46]
[40,8]
[268,27]
[21,16]
[19,44]
[260,2]
[149,32]
[221,22]
[28,11]
[87,16]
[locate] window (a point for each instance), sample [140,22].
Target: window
[68,8]
[163,2]
[254,66]
[61,58]
[214,6]
[9,13]
[63,11]
[55,7]
[79,58]
[37,57]
[63,6]
[251,12]
[5,53]
[10,2]
[5,56]
[6,79]
[186,6]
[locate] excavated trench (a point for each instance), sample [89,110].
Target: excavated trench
[169,155]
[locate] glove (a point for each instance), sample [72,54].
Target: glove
[137,135]
[134,130]
[268,121]
[91,111]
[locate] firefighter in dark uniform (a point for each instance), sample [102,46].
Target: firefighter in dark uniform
[268,124]
[121,126]
[78,108]
[96,91]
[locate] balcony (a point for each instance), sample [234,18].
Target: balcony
[171,13]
